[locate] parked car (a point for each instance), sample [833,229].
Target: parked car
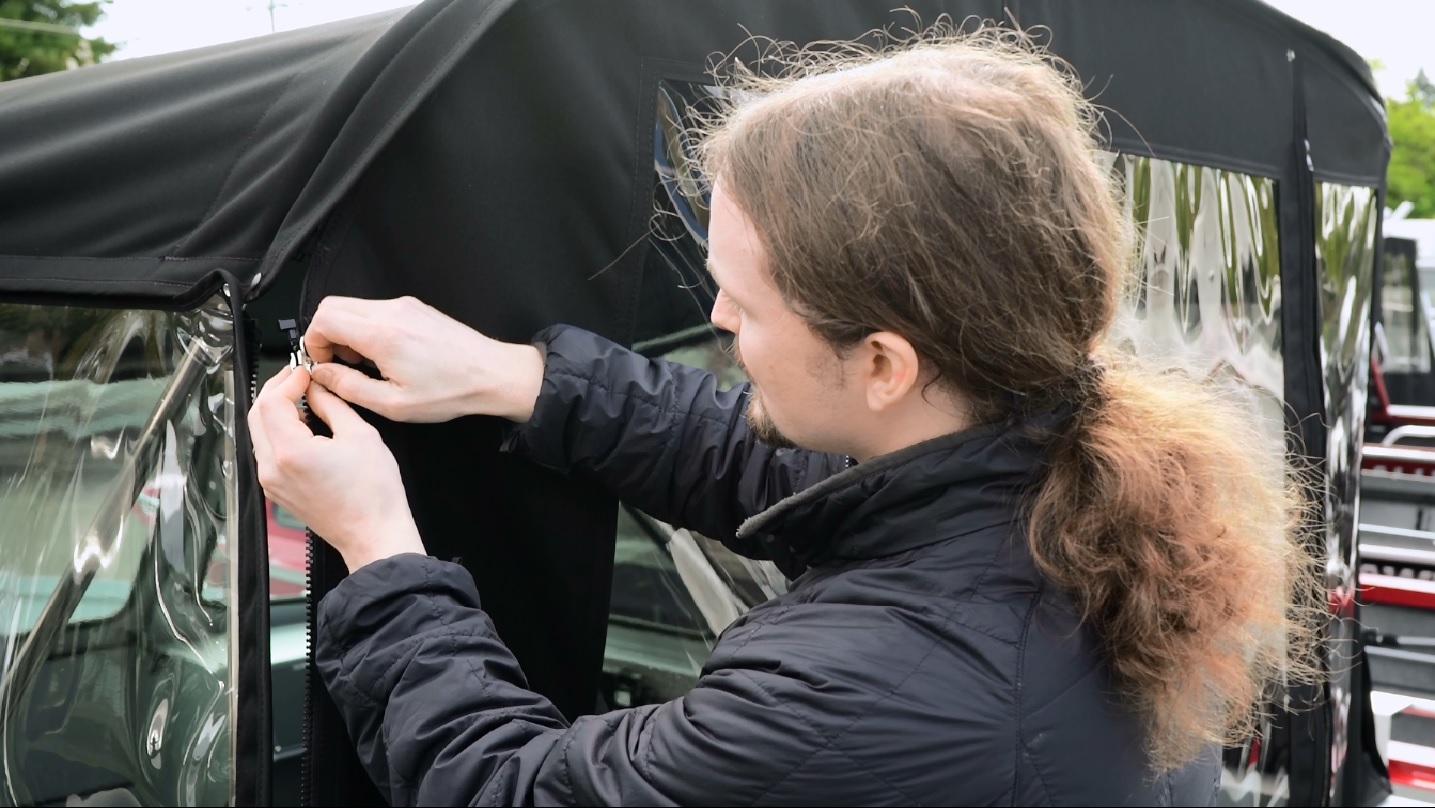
[518,163]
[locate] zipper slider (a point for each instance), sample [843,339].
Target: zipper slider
[298,354]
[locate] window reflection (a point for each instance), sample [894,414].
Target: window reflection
[115,444]
[674,591]
[1404,310]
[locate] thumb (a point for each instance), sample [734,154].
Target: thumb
[354,386]
[335,412]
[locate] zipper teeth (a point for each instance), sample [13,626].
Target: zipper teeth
[251,344]
[309,730]
[306,758]
[311,715]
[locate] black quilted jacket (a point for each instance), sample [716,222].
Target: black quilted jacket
[919,657]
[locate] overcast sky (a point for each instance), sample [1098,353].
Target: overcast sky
[1397,32]
[147,27]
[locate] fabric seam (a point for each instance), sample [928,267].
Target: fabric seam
[1021,749]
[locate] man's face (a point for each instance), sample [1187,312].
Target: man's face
[799,395]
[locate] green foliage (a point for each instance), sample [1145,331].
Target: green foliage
[45,38]
[1411,177]
[1423,89]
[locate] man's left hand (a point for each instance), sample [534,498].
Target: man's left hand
[347,488]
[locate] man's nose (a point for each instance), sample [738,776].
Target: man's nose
[721,314]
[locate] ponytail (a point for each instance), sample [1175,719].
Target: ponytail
[1171,523]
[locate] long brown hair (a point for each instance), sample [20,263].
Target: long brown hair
[949,188]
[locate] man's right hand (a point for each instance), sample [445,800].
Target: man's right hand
[434,368]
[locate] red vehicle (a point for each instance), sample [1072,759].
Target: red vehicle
[288,553]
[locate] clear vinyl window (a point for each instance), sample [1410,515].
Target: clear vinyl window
[674,591]
[117,487]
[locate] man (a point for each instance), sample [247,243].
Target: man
[1033,585]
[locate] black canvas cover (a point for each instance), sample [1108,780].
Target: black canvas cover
[155,171]
[142,177]
[495,159]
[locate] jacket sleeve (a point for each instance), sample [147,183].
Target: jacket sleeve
[661,436]
[441,715]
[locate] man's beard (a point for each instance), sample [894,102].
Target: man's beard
[762,426]
[757,418]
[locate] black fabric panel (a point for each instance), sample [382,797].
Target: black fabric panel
[206,152]
[171,283]
[553,207]
[1182,81]
[668,306]
[1302,735]
[254,744]
[512,260]
[197,153]
[1349,143]
[539,546]
[419,52]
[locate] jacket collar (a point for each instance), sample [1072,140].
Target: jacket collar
[928,492]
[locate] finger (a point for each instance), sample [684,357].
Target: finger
[259,439]
[362,306]
[357,387]
[279,386]
[277,411]
[332,410]
[337,323]
[348,354]
[276,379]
[291,385]
[258,435]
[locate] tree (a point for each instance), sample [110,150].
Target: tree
[42,36]
[1411,176]
[1423,90]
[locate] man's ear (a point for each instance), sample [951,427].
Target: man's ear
[891,370]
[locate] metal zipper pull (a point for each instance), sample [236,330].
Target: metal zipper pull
[298,354]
